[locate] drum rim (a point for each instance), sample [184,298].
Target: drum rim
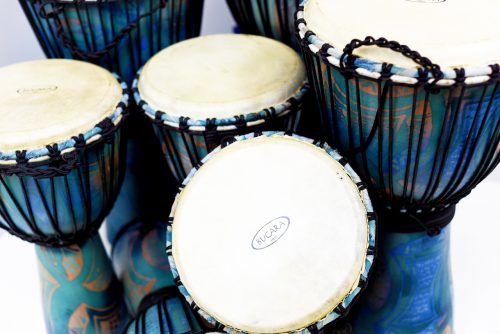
[372,69]
[91,137]
[221,124]
[342,308]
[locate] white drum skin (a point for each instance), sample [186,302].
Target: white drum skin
[450,33]
[48,101]
[221,76]
[270,235]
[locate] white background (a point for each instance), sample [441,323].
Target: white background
[475,231]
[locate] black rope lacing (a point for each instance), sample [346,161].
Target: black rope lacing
[51,9]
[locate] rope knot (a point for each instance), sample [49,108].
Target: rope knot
[460,73]
[386,74]
[79,141]
[240,122]
[495,71]
[21,158]
[54,153]
[183,123]
[107,129]
[158,118]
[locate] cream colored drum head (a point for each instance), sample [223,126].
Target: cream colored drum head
[221,76]
[48,101]
[270,235]
[452,33]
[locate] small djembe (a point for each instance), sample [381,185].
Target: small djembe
[61,165]
[422,134]
[202,90]
[121,36]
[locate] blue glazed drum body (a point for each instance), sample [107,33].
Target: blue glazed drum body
[184,149]
[429,149]
[79,290]
[168,316]
[411,287]
[59,209]
[141,263]
[146,181]
[92,26]
[271,18]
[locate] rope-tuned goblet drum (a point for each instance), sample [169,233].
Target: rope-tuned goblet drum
[422,134]
[271,233]
[61,164]
[271,18]
[121,36]
[199,91]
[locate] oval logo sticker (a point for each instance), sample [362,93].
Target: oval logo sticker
[270,233]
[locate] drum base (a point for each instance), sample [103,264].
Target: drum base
[411,288]
[80,291]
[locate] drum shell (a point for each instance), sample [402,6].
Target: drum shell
[185,148]
[147,181]
[64,209]
[141,263]
[170,315]
[411,286]
[91,26]
[80,292]
[430,148]
[271,18]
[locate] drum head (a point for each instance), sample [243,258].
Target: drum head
[270,235]
[48,101]
[450,33]
[221,76]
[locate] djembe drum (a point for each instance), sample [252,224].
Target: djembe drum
[271,18]
[422,133]
[139,259]
[291,246]
[61,165]
[121,36]
[199,91]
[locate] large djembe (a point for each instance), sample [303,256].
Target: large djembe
[121,36]
[422,133]
[271,18]
[61,164]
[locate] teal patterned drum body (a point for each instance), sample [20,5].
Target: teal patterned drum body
[170,315]
[271,18]
[411,288]
[79,290]
[200,91]
[62,150]
[140,261]
[293,248]
[119,35]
